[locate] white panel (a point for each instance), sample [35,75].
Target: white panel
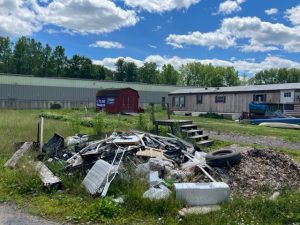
[285,99]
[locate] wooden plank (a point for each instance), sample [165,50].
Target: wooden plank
[205,142]
[47,177]
[189,126]
[12,162]
[199,136]
[152,153]
[193,131]
[41,134]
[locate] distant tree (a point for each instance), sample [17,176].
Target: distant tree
[59,60]
[148,73]
[5,55]
[293,76]
[47,66]
[244,79]
[231,76]
[169,75]
[197,74]
[20,58]
[120,74]
[35,58]
[276,76]
[79,67]
[131,71]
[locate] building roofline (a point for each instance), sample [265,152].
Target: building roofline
[82,79]
[239,89]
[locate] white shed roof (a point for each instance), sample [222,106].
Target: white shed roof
[250,88]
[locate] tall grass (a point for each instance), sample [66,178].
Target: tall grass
[75,205]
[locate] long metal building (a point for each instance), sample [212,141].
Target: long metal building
[28,92]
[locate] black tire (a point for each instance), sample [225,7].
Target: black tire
[222,158]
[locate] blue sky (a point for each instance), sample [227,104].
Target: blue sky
[250,35]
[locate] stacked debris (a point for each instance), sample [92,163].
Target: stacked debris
[262,171]
[198,178]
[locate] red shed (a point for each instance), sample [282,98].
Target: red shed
[117,100]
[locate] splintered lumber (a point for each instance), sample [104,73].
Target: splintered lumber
[12,162]
[47,177]
[152,153]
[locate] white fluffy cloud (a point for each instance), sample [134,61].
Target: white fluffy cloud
[293,15]
[230,6]
[271,11]
[248,66]
[110,62]
[211,39]
[160,5]
[261,36]
[87,16]
[17,19]
[25,17]
[106,44]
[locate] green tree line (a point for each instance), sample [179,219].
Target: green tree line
[276,76]
[30,57]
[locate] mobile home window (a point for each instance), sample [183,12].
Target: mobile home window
[175,101]
[259,97]
[199,99]
[220,99]
[181,101]
[287,94]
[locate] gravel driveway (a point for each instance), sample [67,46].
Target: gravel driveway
[11,215]
[250,140]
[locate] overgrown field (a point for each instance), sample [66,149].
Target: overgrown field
[75,205]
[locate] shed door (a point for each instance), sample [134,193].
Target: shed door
[128,104]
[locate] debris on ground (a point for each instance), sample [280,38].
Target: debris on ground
[199,194]
[48,178]
[262,171]
[168,163]
[198,210]
[157,192]
[12,162]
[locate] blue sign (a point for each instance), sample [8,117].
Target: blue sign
[111,100]
[100,102]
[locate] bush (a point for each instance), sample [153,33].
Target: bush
[99,124]
[75,122]
[142,123]
[212,116]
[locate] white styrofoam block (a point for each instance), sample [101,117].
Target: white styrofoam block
[196,194]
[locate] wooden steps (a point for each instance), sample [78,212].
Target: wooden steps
[195,134]
[295,112]
[189,127]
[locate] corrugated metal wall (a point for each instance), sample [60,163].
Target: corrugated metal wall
[32,92]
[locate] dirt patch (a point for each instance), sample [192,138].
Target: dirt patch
[250,140]
[11,215]
[262,171]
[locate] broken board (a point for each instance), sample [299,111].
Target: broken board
[12,162]
[152,153]
[47,177]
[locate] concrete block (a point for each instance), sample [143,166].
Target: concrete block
[154,178]
[197,194]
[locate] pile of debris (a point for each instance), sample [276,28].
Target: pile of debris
[199,178]
[263,170]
